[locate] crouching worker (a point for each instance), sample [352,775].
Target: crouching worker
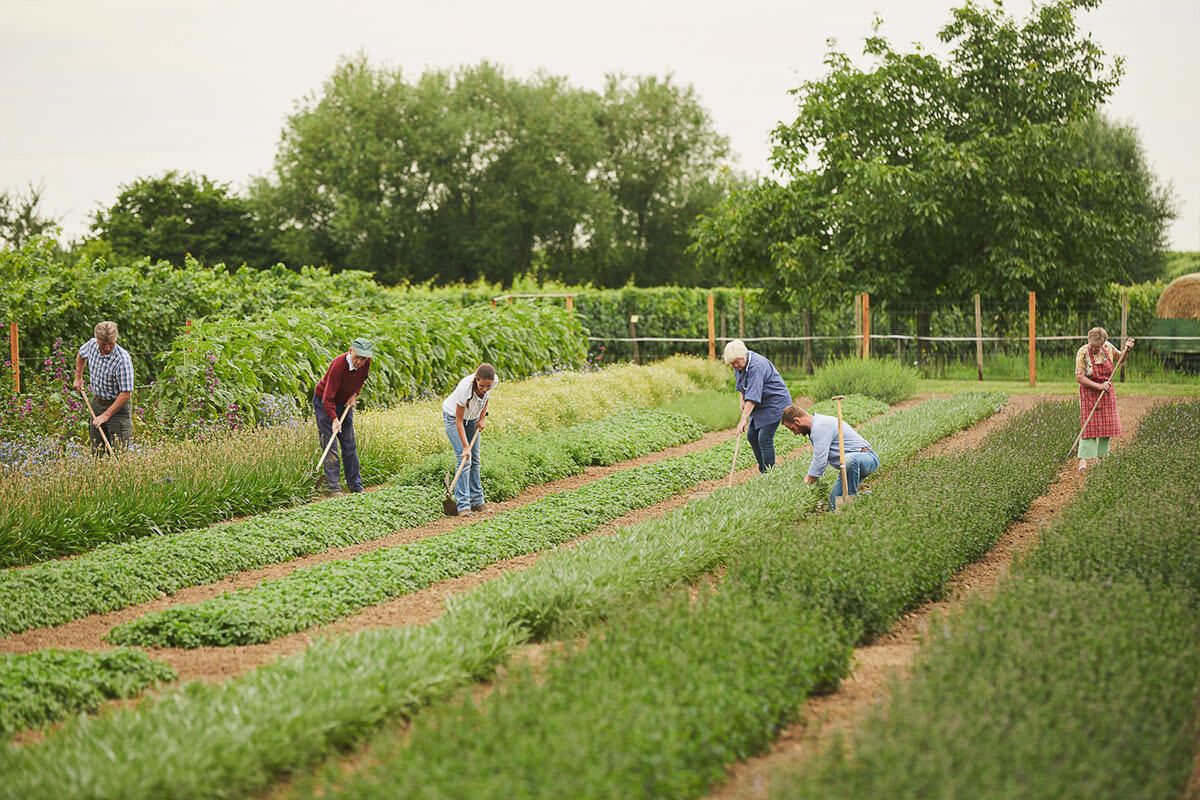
[861,459]
[463,414]
[337,393]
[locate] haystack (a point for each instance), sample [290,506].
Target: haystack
[1181,298]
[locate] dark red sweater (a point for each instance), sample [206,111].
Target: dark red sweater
[340,384]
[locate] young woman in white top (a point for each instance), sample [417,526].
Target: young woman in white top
[464,413]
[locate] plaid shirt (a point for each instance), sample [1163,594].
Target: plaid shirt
[108,375]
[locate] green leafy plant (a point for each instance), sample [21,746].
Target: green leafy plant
[883,379]
[49,685]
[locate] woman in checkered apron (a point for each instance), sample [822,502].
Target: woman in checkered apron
[1094,366]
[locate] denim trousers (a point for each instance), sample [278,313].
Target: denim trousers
[345,444]
[858,467]
[762,442]
[469,489]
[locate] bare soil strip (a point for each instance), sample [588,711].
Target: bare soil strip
[890,658]
[88,633]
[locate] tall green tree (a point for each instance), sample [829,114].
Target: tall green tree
[472,173]
[174,215]
[929,179]
[662,167]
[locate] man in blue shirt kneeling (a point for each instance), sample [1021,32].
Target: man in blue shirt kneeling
[861,459]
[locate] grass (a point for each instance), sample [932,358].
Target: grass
[1080,678]
[184,744]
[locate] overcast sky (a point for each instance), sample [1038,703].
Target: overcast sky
[95,93]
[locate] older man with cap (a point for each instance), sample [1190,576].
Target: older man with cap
[110,376]
[336,394]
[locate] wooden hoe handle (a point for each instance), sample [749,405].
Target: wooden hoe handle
[333,437]
[462,463]
[837,399]
[92,411]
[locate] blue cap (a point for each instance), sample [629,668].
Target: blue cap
[363,347]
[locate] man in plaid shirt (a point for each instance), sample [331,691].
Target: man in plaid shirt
[110,373]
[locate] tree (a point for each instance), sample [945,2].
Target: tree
[20,218]
[931,180]
[662,167]
[472,174]
[175,215]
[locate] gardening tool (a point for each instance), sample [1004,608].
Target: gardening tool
[842,454]
[333,438]
[1096,405]
[449,505]
[92,411]
[733,467]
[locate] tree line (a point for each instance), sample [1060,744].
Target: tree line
[919,178]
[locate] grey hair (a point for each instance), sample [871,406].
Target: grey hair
[105,331]
[1097,336]
[735,349]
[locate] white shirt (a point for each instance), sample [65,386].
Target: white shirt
[464,396]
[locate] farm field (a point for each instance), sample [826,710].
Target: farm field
[543,644]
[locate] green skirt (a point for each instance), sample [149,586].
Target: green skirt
[1093,448]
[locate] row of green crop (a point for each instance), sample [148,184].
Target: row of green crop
[49,685]
[328,591]
[1081,678]
[121,575]
[420,350]
[186,485]
[183,745]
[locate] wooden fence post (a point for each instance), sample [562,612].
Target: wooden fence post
[1033,338]
[866,323]
[858,319]
[741,316]
[633,321]
[712,329]
[1124,325]
[14,346]
[808,348]
[978,336]
[571,303]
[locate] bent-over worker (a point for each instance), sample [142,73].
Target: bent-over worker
[110,378]
[861,458]
[1095,363]
[763,396]
[337,393]
[464,413]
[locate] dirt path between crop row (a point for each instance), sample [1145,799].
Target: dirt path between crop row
[88,633]
[890,658]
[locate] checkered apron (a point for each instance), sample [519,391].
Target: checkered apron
[1106,421]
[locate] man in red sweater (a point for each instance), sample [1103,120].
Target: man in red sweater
[336,394]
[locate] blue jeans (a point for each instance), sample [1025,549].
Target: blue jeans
[469,489]
[858,466]
[345,444]
[762,442]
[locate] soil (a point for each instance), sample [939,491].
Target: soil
[890,658]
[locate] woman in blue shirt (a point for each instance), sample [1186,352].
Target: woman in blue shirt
[763,396]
